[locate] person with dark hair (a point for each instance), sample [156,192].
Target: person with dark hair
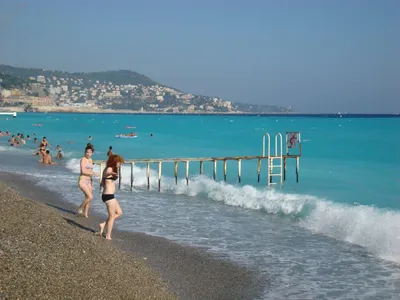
[110,174]
[85,180]
[47,158]
[109,152]
[43,145]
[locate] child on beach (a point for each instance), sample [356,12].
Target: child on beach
[110,175]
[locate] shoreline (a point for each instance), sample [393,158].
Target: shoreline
[191,273]
[45,110]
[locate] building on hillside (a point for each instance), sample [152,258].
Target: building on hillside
[41,79]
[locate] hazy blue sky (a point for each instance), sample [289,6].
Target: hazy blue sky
[318,56]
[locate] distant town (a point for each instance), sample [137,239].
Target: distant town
[45,90]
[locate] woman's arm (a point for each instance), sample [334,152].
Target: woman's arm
[109,172]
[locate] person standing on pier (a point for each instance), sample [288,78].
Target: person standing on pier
[110,175]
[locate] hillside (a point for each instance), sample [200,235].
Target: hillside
[120,77]
[8,81]
[123,89]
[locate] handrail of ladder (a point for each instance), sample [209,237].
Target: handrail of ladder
[269,144]
[276,144]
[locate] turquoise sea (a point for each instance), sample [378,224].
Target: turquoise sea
[333,235]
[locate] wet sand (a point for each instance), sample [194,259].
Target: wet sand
[188,272]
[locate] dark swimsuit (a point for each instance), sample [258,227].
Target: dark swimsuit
[106,197]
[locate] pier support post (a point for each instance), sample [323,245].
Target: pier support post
[284,169]
[258,169]
[270,170]
[201,167]
[239,170]
[214,169]
[187,172]
[225,170]
[297,169]
[148,175]
[132,165]
[101,176]
[159,175]
[119,177]
[176,172]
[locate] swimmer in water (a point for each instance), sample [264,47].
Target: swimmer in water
[109,152]
[59,152]
[110,175]
[42,146]
[85,181]
[47,158]
[89,138]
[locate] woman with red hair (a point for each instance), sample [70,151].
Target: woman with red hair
[110,174]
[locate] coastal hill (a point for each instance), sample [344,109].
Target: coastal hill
[121,77]
[123,90]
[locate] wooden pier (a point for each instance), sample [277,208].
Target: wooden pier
[13,114]
[274,169]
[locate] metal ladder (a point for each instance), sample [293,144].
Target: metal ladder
[275,162]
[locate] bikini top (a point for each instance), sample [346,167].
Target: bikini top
[111,178]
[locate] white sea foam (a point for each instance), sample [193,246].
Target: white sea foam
[375,229]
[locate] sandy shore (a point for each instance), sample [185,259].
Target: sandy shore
[44,255]
[49,253]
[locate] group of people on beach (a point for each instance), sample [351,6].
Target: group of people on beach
[109,176]
[85,182]
[19,140]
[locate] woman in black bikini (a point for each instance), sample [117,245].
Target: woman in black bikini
[110,174]
[42,147]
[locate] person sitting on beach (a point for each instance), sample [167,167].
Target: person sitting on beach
[110,175]
[109,152]
[47,158]
[85,180]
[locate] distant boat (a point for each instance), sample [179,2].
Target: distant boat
[130,126]
[125,136]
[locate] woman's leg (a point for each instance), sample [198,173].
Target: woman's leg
[87,206]
[118,210]
[118,213]
[111,207]
[88,196]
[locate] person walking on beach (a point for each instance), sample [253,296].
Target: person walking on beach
[110,174]
[85,180]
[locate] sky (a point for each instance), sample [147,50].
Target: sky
[317,56]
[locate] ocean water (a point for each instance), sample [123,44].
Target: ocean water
[333,235]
